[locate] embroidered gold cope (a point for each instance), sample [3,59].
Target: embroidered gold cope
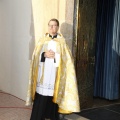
[65,89]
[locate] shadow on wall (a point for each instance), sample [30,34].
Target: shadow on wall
[67,31]
[32,33]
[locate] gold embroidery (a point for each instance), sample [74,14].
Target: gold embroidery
[42,77]
[66,92]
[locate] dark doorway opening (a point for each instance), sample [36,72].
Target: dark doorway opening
[85,55]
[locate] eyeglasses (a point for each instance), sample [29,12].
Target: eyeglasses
[52,25]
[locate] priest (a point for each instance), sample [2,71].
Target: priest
[52,81]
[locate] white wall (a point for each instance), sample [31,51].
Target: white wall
[19,27]
[5,45]
[15,25]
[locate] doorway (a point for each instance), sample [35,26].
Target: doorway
[85,54]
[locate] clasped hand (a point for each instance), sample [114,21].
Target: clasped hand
[49,54]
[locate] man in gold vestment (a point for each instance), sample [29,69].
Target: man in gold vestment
[52,82]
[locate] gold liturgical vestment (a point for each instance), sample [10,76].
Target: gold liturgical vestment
[65,89]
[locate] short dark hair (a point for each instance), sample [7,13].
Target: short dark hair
[53,19]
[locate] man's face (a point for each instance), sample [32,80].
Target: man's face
[52,27]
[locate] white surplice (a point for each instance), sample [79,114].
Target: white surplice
[46,88]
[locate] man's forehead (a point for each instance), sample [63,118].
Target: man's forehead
[53,22]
